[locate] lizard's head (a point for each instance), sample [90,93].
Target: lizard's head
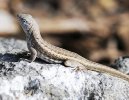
[27,23]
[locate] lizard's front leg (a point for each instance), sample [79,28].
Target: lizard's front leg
[33,54]
[74,64]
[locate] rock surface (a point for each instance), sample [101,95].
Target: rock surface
[20,80]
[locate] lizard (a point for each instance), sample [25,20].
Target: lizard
[40,48]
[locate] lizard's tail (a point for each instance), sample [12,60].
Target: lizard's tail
[105,69]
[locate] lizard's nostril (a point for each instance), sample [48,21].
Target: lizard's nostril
[18,15]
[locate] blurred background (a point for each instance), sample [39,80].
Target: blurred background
[96,29]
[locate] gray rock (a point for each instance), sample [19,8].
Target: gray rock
[20,80]
[122,64]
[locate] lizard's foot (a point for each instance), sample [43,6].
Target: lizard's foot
[78,68]
[22,59]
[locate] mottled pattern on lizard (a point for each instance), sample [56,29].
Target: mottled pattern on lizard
[38,47]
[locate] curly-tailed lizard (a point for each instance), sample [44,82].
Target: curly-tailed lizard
[38,47]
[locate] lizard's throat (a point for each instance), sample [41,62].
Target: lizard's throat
[28,35]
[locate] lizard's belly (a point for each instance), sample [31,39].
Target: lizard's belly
[48,58]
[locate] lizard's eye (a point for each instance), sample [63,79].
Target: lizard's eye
[24,21]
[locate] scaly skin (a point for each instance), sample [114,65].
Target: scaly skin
[38,47]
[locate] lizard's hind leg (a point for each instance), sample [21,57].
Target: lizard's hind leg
[75,65]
